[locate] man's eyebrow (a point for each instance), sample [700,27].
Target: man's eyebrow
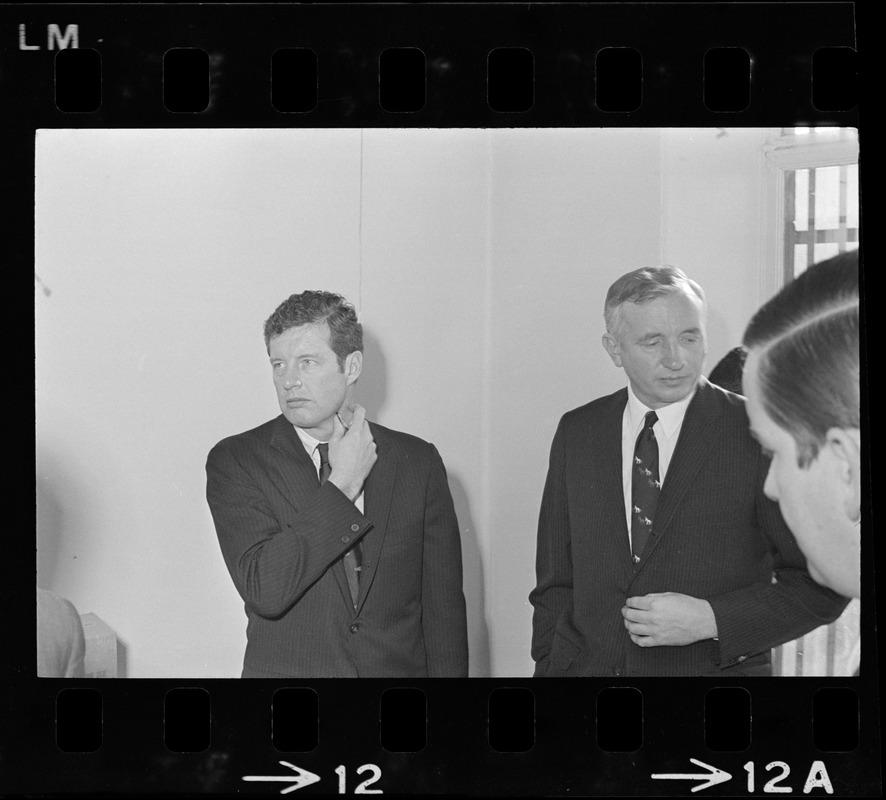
[298,357]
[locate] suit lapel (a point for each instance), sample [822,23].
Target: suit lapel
[697,437]
[377,496]
[299,480]
[613,480]
[599,495]
[298,475]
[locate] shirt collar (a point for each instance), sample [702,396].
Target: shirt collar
[309,442]
[670,416]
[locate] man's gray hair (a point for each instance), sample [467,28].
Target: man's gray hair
[645,284]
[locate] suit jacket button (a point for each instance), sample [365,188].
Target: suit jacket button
[346,539]
[355,527]
[355,627]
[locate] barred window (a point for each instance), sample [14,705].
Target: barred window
[817,196]
[821,211]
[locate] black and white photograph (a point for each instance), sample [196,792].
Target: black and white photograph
[379,402]
[509,360]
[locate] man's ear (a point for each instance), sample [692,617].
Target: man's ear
[610,343]
[353,366]
[844,445]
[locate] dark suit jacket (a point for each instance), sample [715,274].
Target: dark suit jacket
[717,537]
[283,537]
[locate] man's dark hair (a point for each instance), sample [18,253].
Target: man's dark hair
[310,308]
[727,373]
[806,337]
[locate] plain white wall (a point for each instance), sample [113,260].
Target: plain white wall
[478,261]
[712,222]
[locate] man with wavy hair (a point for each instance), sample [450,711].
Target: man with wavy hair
[340,534]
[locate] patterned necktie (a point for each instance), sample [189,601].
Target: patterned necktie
[645,487]
[354,557]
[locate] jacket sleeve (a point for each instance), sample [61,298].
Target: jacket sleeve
[756,618]
[272,559]
[444,619]
[552,595]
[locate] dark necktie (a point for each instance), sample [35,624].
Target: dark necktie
[645,487]
[353,559]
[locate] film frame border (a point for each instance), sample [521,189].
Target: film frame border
[673,99]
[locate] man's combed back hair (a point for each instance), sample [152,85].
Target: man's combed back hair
[642,285]
[309,308]
[806,338]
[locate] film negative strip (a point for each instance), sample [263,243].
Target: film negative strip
[472,177]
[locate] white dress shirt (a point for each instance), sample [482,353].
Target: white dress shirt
[310,445]
[666,430]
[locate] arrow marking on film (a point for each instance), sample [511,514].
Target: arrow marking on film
[301,779]
[711,778]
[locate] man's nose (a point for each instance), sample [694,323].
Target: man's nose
[291,380]
[672,357]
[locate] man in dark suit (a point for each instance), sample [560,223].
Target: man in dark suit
[340,534]
[658,553]
[803,398]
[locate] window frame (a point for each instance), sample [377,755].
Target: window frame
[783,152]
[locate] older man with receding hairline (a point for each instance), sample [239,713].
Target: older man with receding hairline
[658,552]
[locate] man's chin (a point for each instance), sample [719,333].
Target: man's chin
[833,581]
[299,420]
[664,397]
[676,391]
[318,428]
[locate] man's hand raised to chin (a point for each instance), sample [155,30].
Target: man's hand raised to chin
[352,453]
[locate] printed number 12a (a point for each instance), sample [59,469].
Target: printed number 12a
[361,788]
[818,778]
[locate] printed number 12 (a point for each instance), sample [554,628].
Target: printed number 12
[361,788]
[771,785]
